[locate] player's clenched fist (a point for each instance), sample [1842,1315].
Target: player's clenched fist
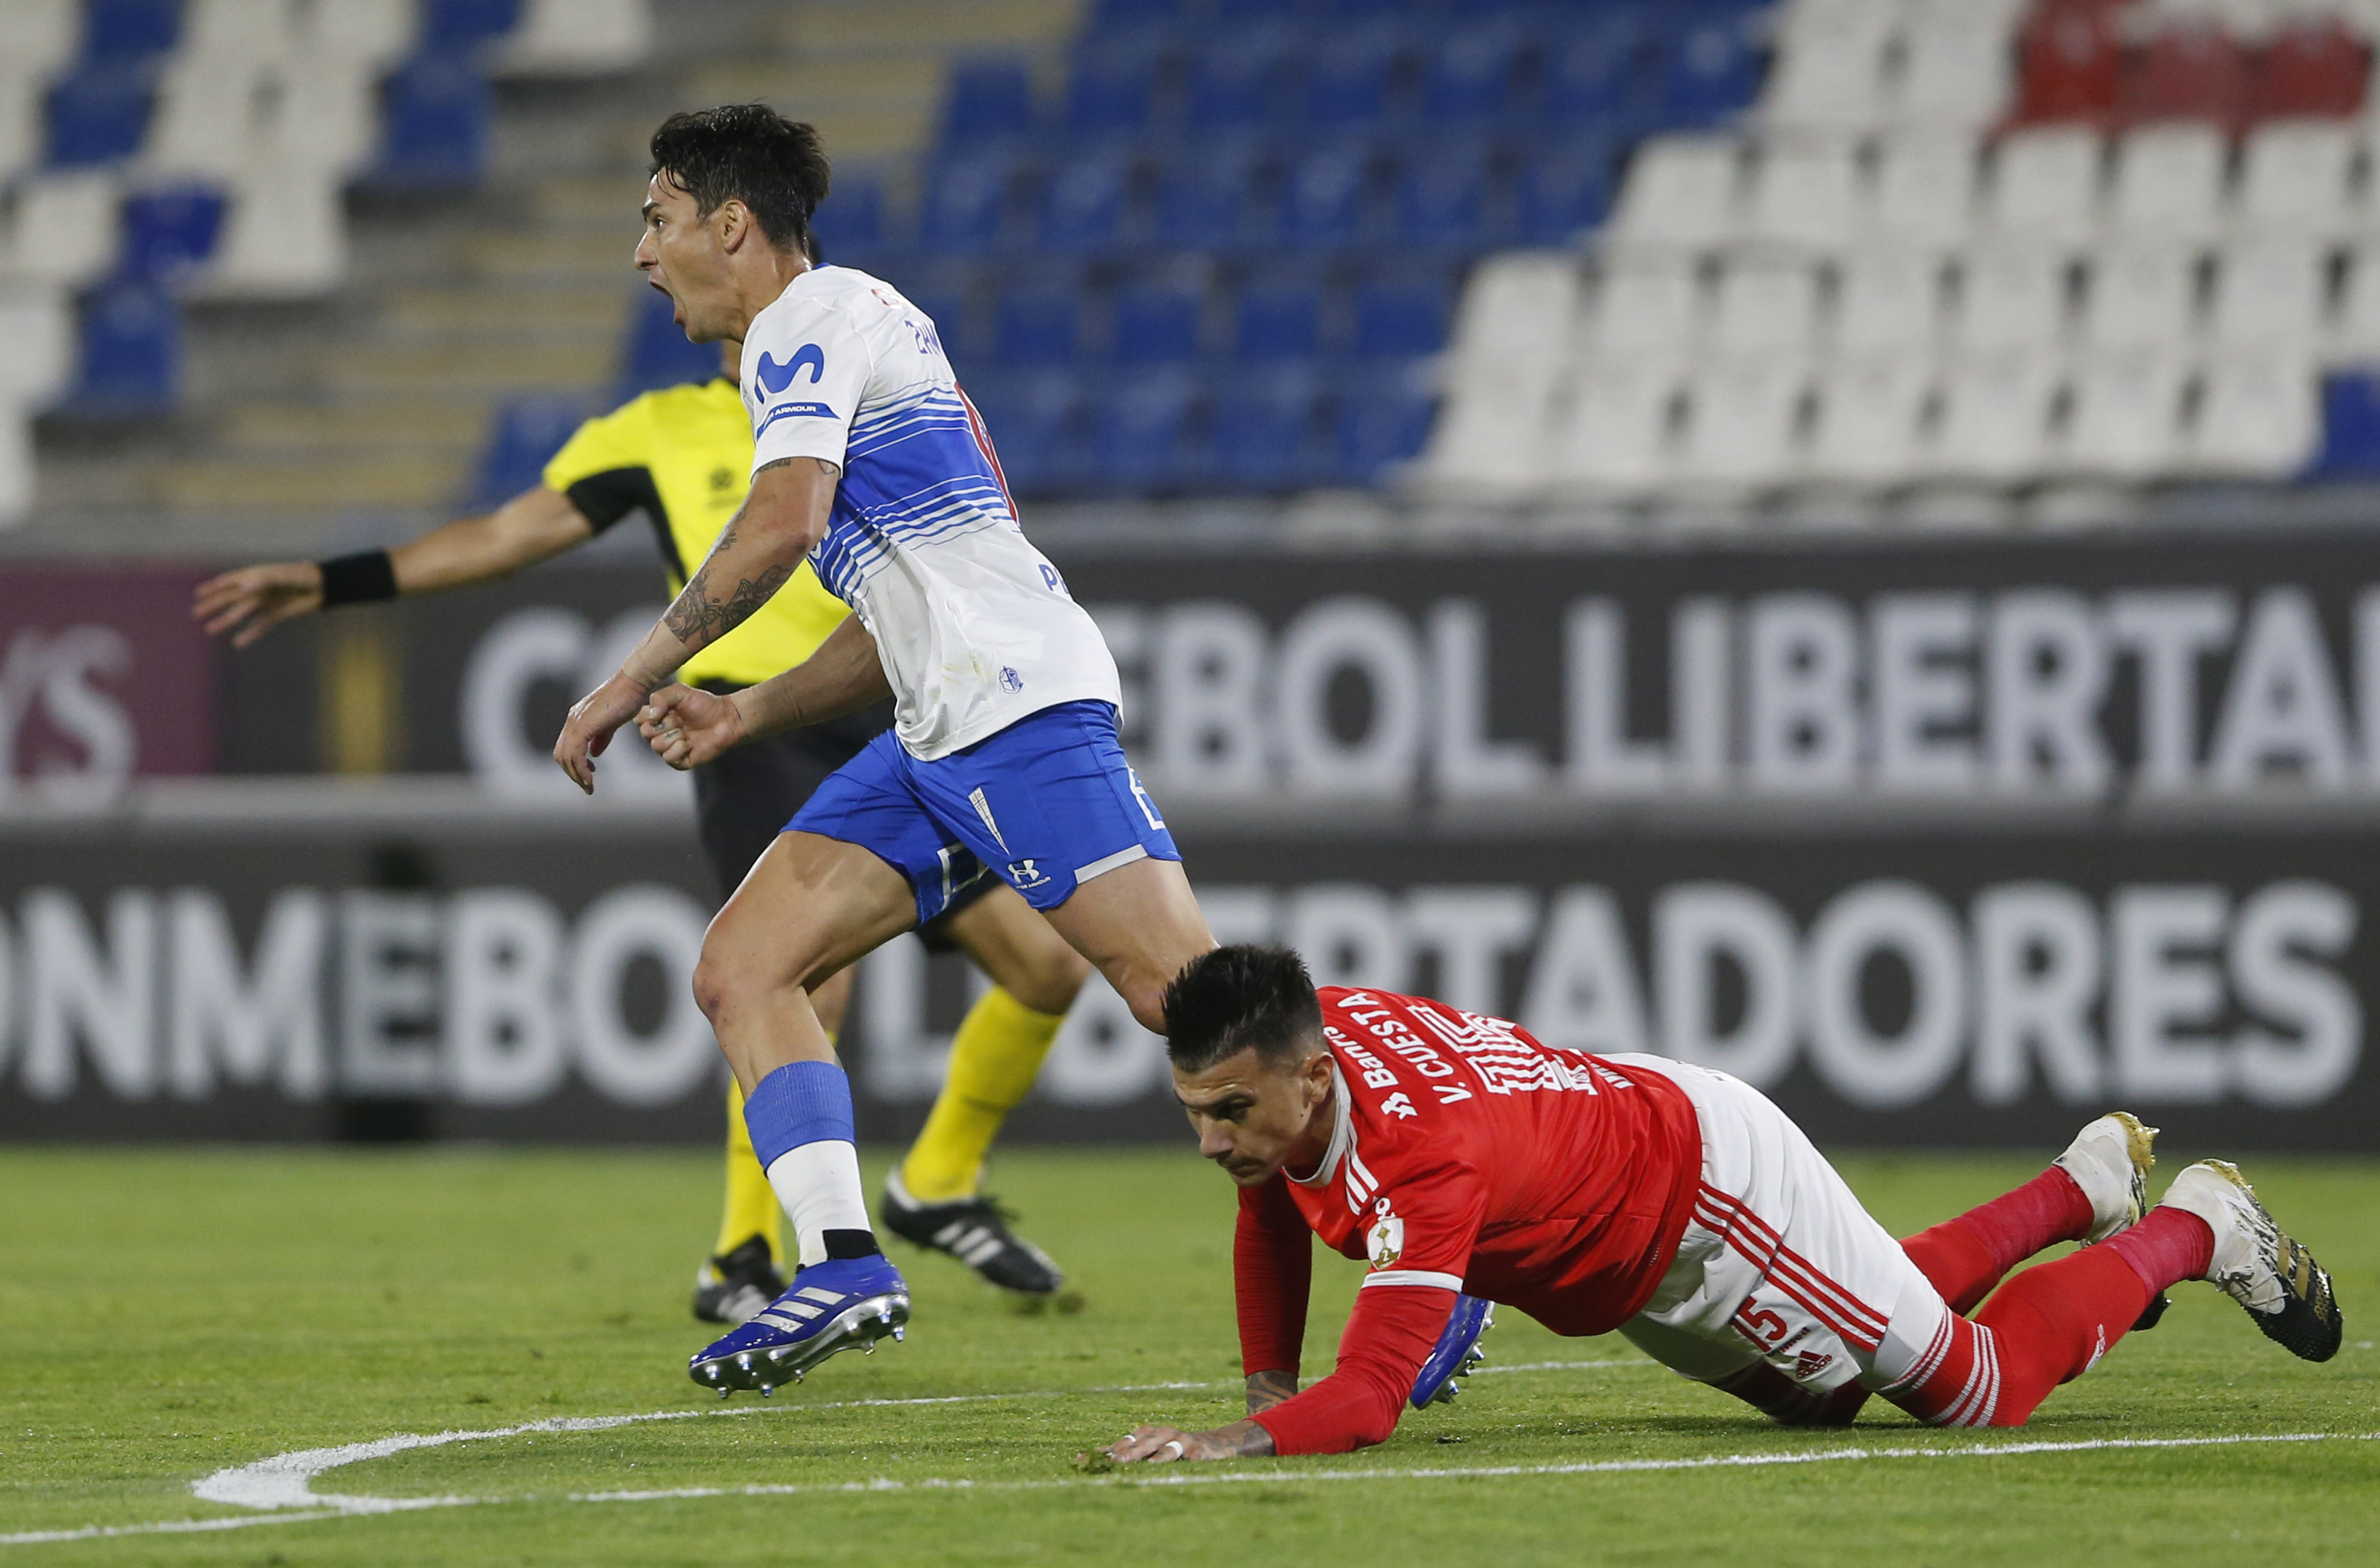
[687,727]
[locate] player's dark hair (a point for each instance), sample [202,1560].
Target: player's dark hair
[1236,997]
[747,152]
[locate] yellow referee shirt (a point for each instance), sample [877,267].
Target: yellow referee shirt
[683,454]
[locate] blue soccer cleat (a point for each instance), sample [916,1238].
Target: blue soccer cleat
[842,1304]
[1457,1352]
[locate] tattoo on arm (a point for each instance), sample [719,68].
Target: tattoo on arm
[698,616]
[1268,1389]
[1240,1440]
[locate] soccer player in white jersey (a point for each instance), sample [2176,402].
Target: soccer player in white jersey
[1002,759]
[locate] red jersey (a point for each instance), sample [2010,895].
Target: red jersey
[1466,1156]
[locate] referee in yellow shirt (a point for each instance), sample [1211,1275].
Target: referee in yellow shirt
[682,457]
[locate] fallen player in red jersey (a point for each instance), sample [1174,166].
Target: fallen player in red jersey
[1671,1203]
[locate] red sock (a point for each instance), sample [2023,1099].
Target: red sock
[1966,1257]
[2168,1246]
[2050,1324]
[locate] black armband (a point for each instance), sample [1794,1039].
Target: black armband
[361,578]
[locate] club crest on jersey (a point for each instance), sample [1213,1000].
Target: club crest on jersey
[1385,1241]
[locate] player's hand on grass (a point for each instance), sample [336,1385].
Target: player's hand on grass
[252,601]
[1164,1445]
[687,727]
[591,725]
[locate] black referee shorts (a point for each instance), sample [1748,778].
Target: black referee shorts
[743,800]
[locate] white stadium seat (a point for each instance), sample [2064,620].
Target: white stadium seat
[1955,70]
[16,465]
[2259,417]
[2045,183]
[1739,420]
[2269,292]
[1868,412]
[2168,179]
[38,37]
[64,227]
[1764,311]
[364,35]
[1889,301]
[285,236]
[2126,417]
[1647,310]
[1519,307]
[577,38]
[1995,426]
[2142,296]
[1803,193]
[1680,194]
[1490,444]
[2352,335]
[1615,437]
[2296,176]
[1924,191]
[38,326]
[1829,78]
[2011,297]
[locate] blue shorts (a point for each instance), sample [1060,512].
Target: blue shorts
[1047,804]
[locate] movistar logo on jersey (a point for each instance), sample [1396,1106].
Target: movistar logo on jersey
[774,378]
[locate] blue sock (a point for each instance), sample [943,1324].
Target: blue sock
[800,1120]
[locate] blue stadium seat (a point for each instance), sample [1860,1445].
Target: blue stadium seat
[1110,89]
[1035,328]
[1595,78]
[528,431]
[1140,437]
[457,27]
[850,223]
[990,101]
[1132,16]
[1709,73]
[1278,322]
[1350,79]
[1399,321]
[131,363]
[657,352]
[966,204]
[2351,421]
[1442,199]
[168,234]
[1381,426]
[99,116]
[1264,427]
[1565,193]
[1237,82]
[1324,203]
[129,32]
[435,119]
[1470,78]
[1204,201]
[1157,327]
[1034,419]
[1084,206]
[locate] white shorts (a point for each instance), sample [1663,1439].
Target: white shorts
[1780,1263]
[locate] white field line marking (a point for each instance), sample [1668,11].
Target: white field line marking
[286,1481]
[1169,1476]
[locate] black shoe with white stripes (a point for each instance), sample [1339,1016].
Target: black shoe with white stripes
[974,1231]
[735,1286]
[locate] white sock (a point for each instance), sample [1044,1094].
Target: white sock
[818,1184]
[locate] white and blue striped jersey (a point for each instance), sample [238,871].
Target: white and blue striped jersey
[975,626]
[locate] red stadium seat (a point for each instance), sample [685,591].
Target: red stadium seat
[2313,66]
[2192,70]
[2072,65]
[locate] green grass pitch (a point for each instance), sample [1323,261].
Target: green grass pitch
[165,1314]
